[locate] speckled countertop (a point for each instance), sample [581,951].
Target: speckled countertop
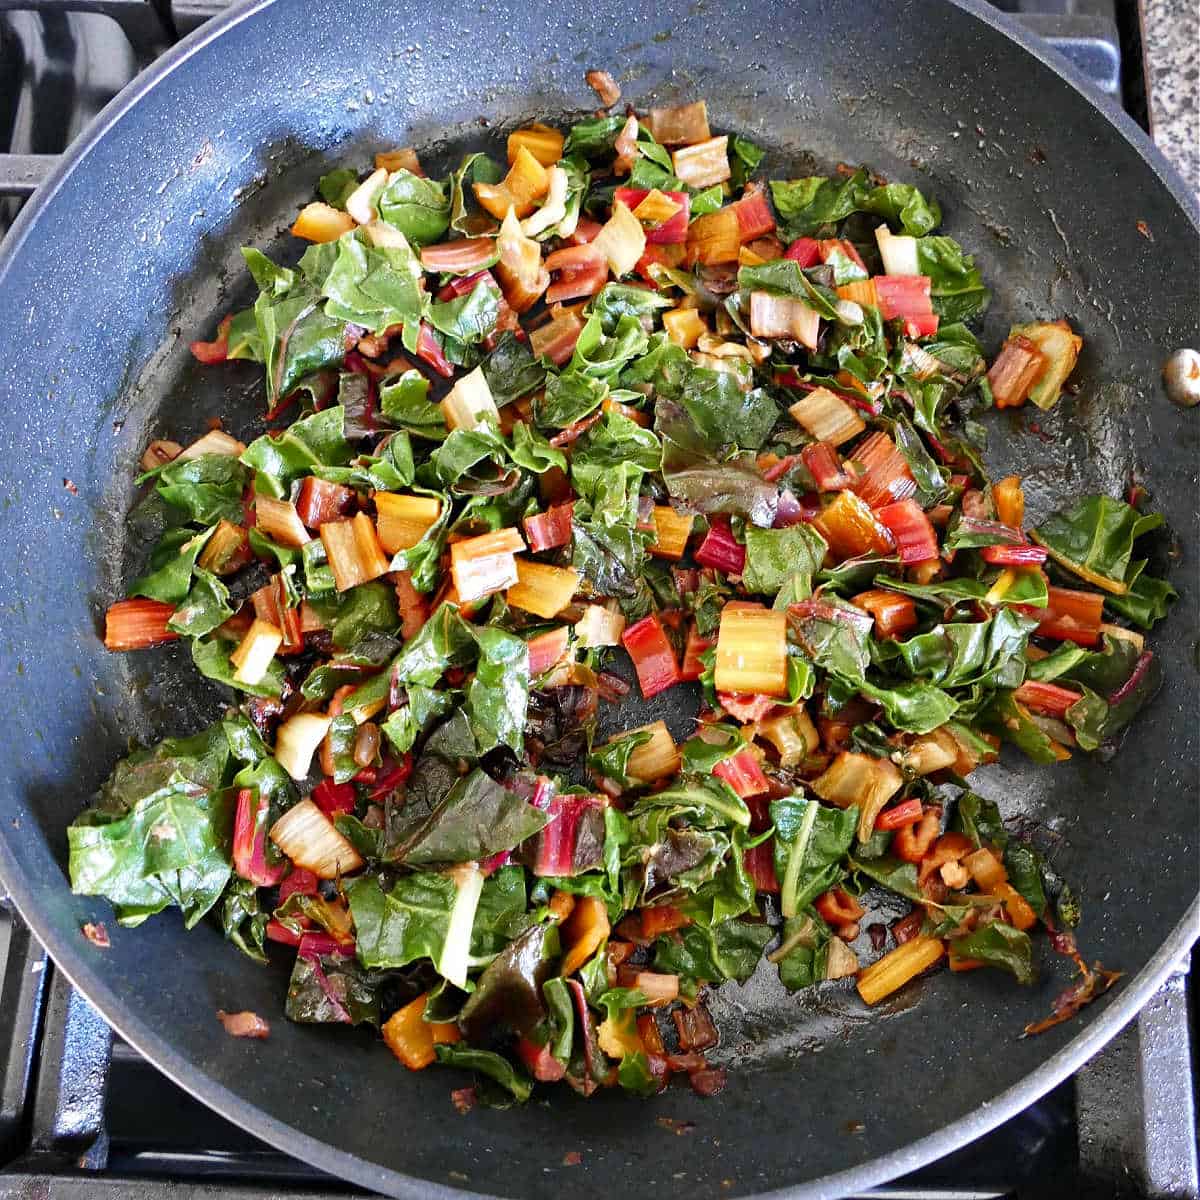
[1172,44]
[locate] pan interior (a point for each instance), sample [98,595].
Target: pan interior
[101,299]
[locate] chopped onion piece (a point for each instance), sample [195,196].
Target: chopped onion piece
[899,252]
[296,741]
[622,240]
[215,441]
[827,417]
[361,203]
[553,209]
[255,652]
[308,837]
[469,402]
[703,164]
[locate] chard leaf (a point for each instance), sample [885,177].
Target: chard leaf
[204,607]
[511,370]
[980,820]
[211,656]
[999,945]
[498,696]
[957,289]
[608,557]
[314,441]
[775,555]
[295,337]
[444,641]
[810,842]
[466,217]
[243,919]
[410,922]
[1094,539]
[966,652]
[593,138]
[169,847]
[417,206]
[376,287]
[784,277]
[806,206]
[1147,600]
[804,944]
[168,576]
[404,401]
[331,990]
[568,397]
[915,707]
[476,819]
[601,355]
[336,186]
[207,488]
[713,954]
[471,318]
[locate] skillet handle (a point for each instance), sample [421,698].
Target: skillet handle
[20,174]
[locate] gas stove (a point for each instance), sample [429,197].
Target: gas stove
[84,1117]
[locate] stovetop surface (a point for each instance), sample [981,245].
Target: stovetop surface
[83,1116]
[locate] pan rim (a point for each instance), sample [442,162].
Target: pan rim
[70,958]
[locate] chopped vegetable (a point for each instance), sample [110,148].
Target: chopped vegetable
[415,586]
[307,836]
[541,589]
[897,967]
[752,652]
[653,656]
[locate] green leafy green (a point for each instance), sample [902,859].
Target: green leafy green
[376,286]
[810,842]
[336,186]
[807,206]
[168,576]
[315,441]
[332,990]
[802,951]
[415,205]
[957,287]
[999,945]
[206,488]
[204,608]
[1094,539]
[712,954]
[211,656]
[488,1063]
[776,555]
[160,835]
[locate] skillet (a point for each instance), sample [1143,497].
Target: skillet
[129,250]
